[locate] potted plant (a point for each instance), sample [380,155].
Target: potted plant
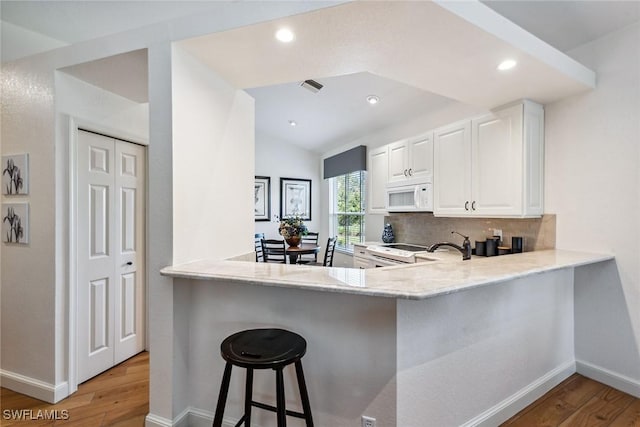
[292,229]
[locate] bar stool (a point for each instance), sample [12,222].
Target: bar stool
[264,349]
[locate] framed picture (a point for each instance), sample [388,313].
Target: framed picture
[262,198]
[15,223]
[295,198]
[15,175]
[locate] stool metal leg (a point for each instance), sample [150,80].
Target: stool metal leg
[248,397]
[304,396]
[222,398]
[280,405]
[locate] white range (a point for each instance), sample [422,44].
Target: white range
[384,255]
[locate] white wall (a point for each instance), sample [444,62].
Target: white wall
[339,329]
[28,293]
[452,348]
[593,185]
[213,163]
[277,159]
[18,42]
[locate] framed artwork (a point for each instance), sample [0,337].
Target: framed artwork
[15,223]
[262,198]
[295,198]
[15,175]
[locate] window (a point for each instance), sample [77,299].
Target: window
[347,203]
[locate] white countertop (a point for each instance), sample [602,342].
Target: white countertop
[414,281]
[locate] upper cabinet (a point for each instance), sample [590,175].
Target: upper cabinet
[377,179]
[411,160]
[491,166]
[452,169]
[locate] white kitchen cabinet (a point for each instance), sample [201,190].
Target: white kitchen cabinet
[377,179]
[411,160]
[360,257]
[452,169]
[491,166]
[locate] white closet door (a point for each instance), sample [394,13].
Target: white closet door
[110,235]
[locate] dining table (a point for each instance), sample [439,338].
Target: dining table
[302,249]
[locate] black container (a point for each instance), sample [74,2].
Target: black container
[516,245]
[481,248]
[492,247]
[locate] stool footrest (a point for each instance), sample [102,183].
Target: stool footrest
[274,409]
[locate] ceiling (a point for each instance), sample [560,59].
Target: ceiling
[338,111]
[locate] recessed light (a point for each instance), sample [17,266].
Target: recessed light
[292,123]
[285,35]
[507,64]
[372,99]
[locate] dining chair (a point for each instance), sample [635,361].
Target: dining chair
[258,246]
[328,253]
[274,251]
[310,238]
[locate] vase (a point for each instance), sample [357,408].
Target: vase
[387,234]
[293,241]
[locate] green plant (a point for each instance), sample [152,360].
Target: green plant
[292,226]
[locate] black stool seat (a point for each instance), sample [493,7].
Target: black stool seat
[264,349]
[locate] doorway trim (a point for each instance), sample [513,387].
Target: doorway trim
[74,125]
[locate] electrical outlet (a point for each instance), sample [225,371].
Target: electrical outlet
[497,232]
[368,421]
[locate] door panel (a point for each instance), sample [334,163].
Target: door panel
[128,292]
[421,159]
[110,248]
[129,220]
[452,169]
[98,307]
[498,164]
[99,206]
[130,183]
[398,154]
[95,255]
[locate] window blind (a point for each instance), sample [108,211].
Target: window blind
[349,161]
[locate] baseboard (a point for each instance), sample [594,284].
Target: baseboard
[34,388]
[190,417]
[181,420]
[515,403]
[152,420]
[610,378]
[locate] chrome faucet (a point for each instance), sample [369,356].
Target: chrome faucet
[465,249]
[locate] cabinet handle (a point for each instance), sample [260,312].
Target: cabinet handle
[410,172]
[129,263]
[473,206]
[405,172]
[466,205]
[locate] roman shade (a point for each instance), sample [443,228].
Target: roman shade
[346,162]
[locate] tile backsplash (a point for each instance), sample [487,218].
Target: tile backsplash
[425,229]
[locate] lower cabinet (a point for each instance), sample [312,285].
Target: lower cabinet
[360,259]
[491,166]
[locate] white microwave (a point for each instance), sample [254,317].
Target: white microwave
[410,198]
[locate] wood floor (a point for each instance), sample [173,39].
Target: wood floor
[580,402]
[120,398]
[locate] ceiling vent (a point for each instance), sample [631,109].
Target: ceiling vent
[311,85]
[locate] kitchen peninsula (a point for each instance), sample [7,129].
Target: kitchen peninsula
[401,344]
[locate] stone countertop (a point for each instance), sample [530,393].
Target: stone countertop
[447,273]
